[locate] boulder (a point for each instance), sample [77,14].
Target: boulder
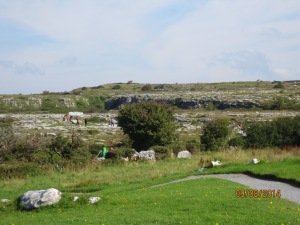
[148,155]
[184,155]
[38,198]
[254,161]
[93,200]
[216,163]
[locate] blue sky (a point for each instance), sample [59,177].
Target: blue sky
[59,45]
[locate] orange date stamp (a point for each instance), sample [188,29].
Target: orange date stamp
[255,193]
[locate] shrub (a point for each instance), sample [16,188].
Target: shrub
[279,85]
[116,87]
[161,152]
[159,87]
[94,149]
[192,146]
[119,153]
[147,87]
[124,152]
[237,141]
[67,148]
[280,132]
[215,133]
[147,124]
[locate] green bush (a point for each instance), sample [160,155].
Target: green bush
[21,148]
[177,146]
[280,132]
[161,152]
[215,134]
[94,149]
[116,87]
[192,146]
[119,153]
[279,85]
[237,141]
[124,152]
[147,87]
[67,149]
[147,124]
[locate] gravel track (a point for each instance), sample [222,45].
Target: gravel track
[288,191]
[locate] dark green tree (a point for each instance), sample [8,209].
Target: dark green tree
[215,134]
[260,135]
[147,124]
[280,132]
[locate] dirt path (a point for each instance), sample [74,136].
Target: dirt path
[288,192]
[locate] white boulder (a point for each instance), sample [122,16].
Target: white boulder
[184,155]
[216,163]
[254,161]
[93,200]
[148,155]
[38,198]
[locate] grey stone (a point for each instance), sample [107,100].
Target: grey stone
[93,200]
[148,155]
[184,155]
[39,198]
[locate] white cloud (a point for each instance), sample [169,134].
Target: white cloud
[99,41]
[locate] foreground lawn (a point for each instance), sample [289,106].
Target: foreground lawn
[203,201]
[129,198]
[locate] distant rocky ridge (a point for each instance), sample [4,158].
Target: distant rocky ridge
[118,101]
[244,95]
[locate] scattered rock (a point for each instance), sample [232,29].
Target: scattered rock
[254,161]
[148,155]
[184,155]
[182,119]
[5,200]
[38,198]
[216,163]
[126,159]
[93,200]
[75,198]
[100,159]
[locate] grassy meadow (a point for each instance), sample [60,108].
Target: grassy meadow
[127,195]
[128,190]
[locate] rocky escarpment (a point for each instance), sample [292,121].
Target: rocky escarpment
[118,101]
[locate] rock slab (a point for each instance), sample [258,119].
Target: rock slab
[184,155]
[39,198]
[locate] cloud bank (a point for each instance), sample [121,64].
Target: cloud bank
[60,45]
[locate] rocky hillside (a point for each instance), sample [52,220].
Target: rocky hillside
[259,94]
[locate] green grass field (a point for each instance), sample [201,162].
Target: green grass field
[204,201]
[127,195]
